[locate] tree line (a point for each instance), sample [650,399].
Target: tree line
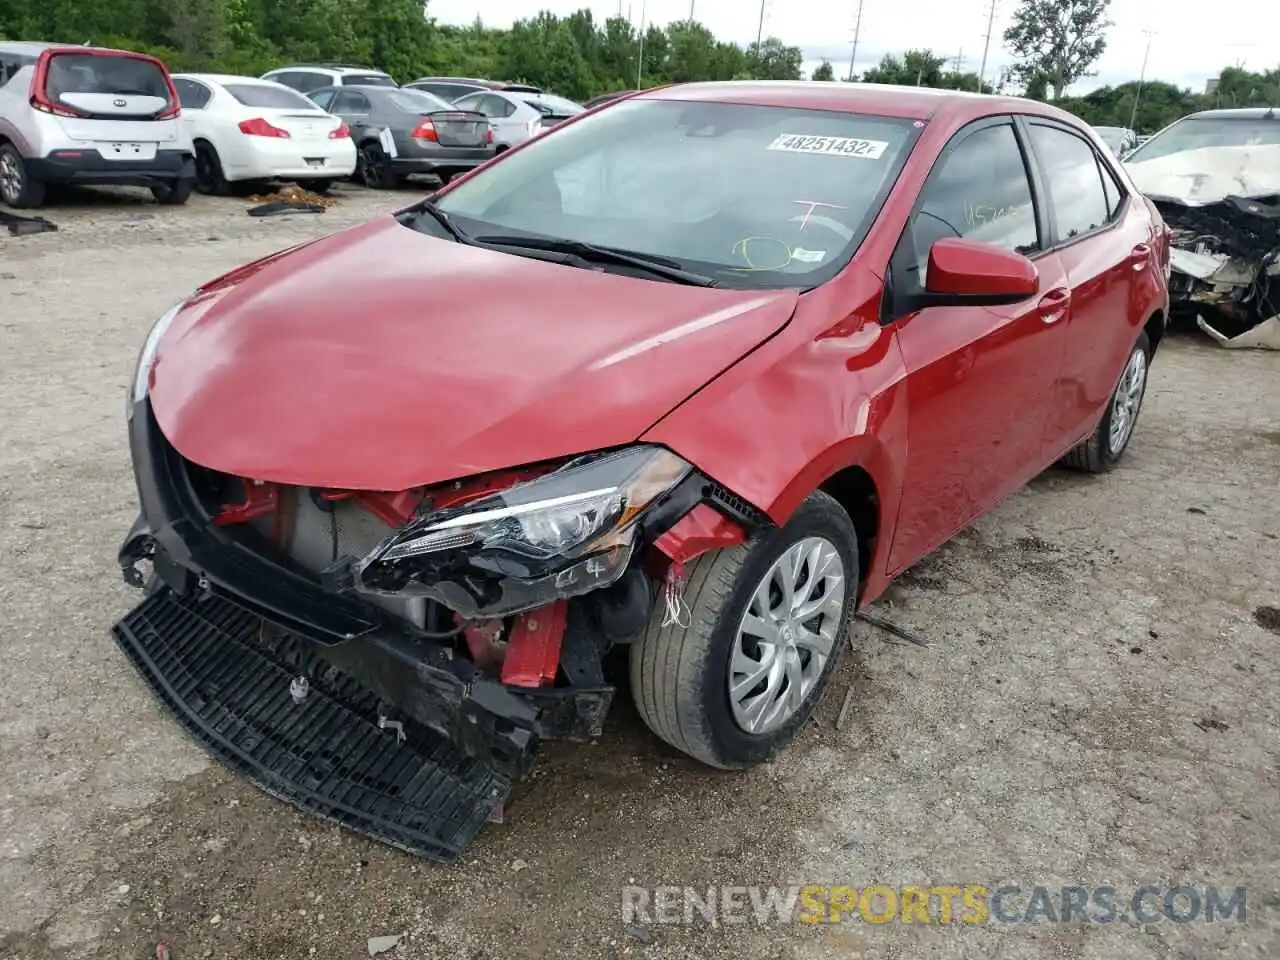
[1055,43]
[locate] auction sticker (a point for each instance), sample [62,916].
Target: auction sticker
[834,146]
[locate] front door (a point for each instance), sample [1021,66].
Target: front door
[978,378]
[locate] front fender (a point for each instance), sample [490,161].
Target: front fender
[800,409]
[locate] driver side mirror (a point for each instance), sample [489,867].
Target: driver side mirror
[966,273]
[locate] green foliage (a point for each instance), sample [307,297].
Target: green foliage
[1159,104]
[922,68]
[1057,41]
[824,71]
[575,56]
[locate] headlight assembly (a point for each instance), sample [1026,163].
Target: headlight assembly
[147,357]
[563,534]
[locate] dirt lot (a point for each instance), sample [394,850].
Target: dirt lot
[1097,705]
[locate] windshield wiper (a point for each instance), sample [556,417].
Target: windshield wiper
[649,263]
[442,218]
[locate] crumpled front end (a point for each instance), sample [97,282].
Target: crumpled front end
[1222,205]
[392,660]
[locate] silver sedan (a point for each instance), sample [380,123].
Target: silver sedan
[516,116]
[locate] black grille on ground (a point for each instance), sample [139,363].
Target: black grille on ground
[204,659]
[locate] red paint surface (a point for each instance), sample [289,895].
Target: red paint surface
[380,359]
[533,647]
[965,267]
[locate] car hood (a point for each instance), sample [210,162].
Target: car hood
[384,359]
[1209,175]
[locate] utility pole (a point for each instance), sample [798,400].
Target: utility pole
[857,28]
[1133,116]
[959,60]
[760,29]
[986,45]
[691,11]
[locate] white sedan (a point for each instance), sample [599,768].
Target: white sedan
[247,130]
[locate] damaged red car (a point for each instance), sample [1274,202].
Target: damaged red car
[690,378]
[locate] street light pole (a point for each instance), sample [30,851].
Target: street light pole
[1142,76]
[640,58]
[986,46]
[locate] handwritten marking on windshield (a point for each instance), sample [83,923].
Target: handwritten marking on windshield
[813,205]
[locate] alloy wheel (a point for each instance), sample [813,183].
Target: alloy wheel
[786,636]
[1127,401]
[10,178]
[371,162]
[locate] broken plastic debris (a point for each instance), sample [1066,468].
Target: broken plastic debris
[379,945]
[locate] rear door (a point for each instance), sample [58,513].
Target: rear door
[978,378]
[354,107]
[1101,236]
[124,104]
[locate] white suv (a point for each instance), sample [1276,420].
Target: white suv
[77,114]
[306,77]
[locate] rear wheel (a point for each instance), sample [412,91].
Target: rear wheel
[766,625]
[1104,448]
[316,186]
[373,167]
[174,193]
[209,176]
[17,188]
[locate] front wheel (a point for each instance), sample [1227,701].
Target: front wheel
[766,625]
[1104,448]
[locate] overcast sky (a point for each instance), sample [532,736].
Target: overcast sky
[1189,46]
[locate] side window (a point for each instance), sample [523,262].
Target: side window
[1115,195]
[1074,181]
[350,102]
[323,99]
[473,102]
[306,82]
[288,78]
[192,95]
[496,106]
[980,191]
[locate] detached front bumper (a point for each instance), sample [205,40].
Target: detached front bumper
[210,593]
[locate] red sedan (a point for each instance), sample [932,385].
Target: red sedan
[696,374]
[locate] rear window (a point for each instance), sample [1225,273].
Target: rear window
[548,105]
[417,101]
[753,196]
[269,98]
[99,73]
[368,80]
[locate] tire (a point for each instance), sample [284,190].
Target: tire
[316,186]
[1104,449]
[680,675]
[17,188]
[174,193]
[210,179]
[373,167]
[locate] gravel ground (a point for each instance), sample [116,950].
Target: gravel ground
[1096,705]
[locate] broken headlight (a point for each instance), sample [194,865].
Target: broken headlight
[561,535]
[147,358]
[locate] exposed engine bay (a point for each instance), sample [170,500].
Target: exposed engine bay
[1226,264]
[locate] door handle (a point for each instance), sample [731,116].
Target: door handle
[1139,257]
[1053,305]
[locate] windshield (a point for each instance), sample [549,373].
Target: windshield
[272,98]
[547,104]
[751,196]
[1197,133]
[419,101]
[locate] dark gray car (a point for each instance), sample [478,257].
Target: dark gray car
[400,132]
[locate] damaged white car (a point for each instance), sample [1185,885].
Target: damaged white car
[1215,176]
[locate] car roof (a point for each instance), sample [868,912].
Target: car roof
[224,78]
[1239,113]
[338,68]
[879,99]
[33,48]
